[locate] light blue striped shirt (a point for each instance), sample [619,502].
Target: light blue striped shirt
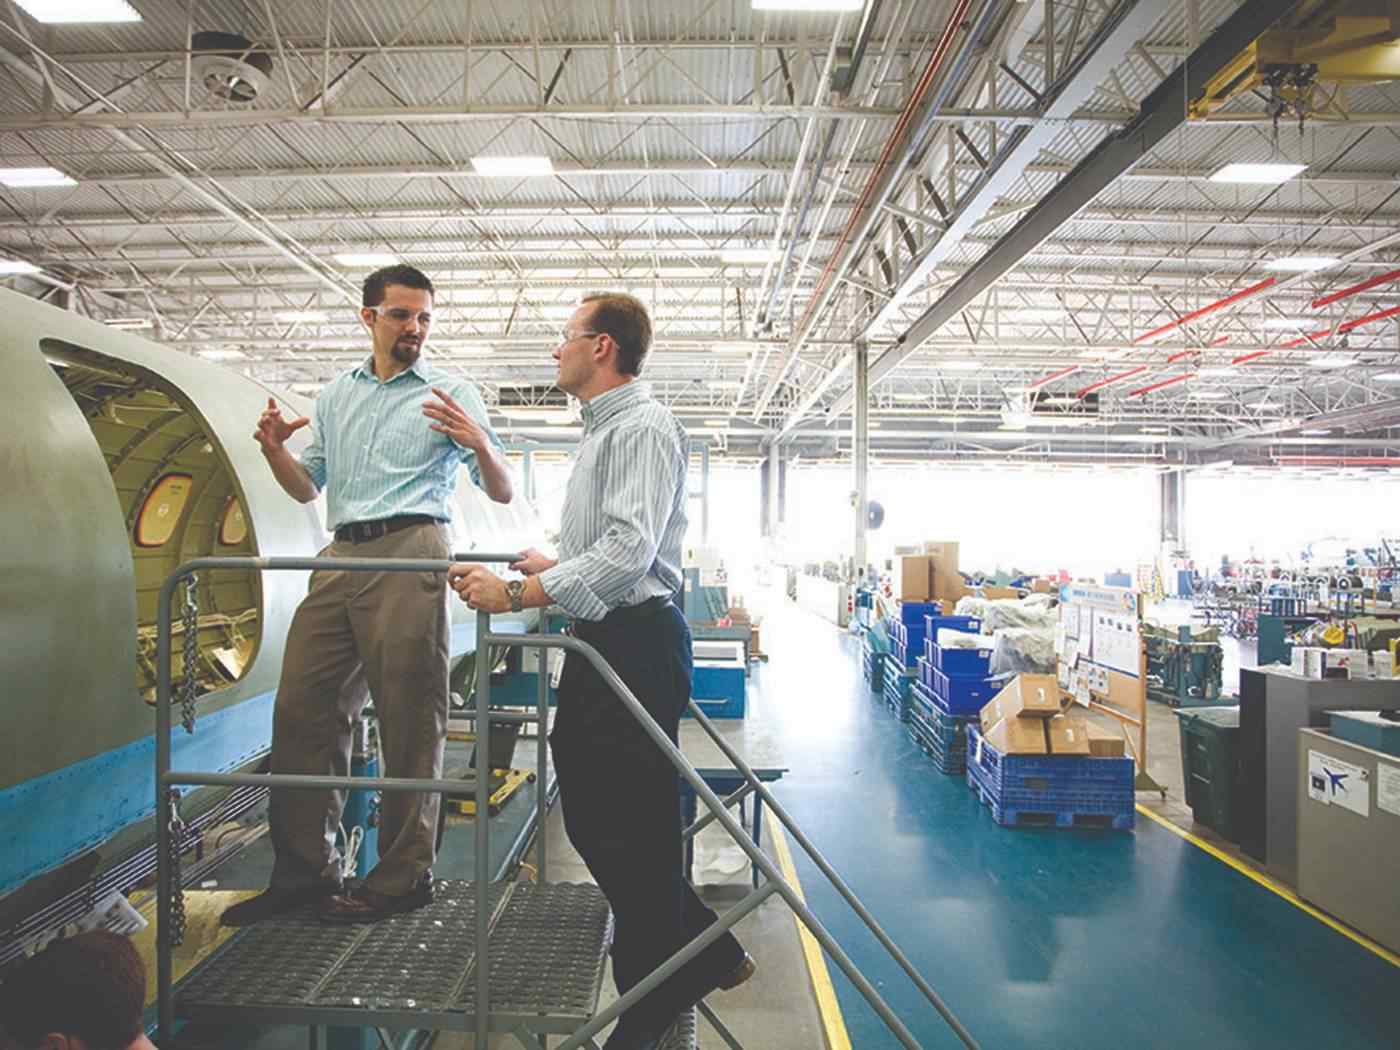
[624,512]
[372,450]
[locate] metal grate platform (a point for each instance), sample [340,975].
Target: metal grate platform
[548,946]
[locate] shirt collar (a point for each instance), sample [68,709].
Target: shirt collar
[420,368]
[605,406]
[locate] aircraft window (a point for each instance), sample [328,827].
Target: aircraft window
[162,509]
[233,527]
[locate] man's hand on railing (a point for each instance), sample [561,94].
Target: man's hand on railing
[532,562]
[480,588]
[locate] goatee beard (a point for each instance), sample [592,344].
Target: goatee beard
[405,353]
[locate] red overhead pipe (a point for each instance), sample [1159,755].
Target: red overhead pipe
[1328,300]
[1337,461]
[1054,376]
[955,23]
[1110,380]
[1145,390]
[1345,326]
[1219,304]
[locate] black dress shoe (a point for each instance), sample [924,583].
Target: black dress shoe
[638,1036]
[641,1028]
[272,902]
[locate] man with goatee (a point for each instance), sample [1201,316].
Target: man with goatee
[386,445]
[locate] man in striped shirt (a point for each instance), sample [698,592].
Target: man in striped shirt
[389,475]
[617,574]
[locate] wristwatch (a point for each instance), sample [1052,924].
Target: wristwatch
[516,590]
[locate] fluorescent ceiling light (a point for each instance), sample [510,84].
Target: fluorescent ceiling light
[1061,399]
[1156,430]
[1288,324]
[1258,405]
[808,5]
[516,167]
[301,316]
[905,395]
[54,12]
[727,384]
[732,348]
[130,322]
[223,355]
[1209,395]
[1264,174]
[28,178]
[958,366]
[366,259]
[1387,377]
[10,266]
[1214,373]
[1331,361]
[716,422]
[746,256]
[1317,431]
[1302,263]
[468,349]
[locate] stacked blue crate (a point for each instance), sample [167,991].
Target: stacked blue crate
[872,667]
[960,678]
[1078,791]
[897,690]
[941,735]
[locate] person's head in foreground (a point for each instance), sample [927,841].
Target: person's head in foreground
[81,993]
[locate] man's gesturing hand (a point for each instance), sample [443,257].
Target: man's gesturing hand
[273,430]
[452,420]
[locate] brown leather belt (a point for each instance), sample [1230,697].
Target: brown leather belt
[364,531]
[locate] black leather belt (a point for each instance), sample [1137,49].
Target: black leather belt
[640,611]
[364,531]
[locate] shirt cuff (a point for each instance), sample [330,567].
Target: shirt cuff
[567,589]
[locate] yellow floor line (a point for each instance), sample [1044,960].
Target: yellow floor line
[1269,884]
[833,1024]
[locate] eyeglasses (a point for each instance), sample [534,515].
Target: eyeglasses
[401,316]
[568,337]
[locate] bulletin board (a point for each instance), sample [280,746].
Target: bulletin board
[1102,663]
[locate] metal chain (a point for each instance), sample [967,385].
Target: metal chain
[177,885]
[189,683]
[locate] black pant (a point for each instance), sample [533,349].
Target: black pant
[621,799]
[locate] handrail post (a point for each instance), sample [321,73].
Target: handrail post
[164,968]
[541,757]
[483,832]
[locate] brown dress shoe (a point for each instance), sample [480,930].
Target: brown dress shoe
[366,905]
[739,974]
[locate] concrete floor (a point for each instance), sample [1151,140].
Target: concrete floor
[1036,938]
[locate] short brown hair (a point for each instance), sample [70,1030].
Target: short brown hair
[92,986]
[625,318]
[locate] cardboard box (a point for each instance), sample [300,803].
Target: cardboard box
[1067,736]
[1026,696]
[1018,736]
[1104,743]
[916,578]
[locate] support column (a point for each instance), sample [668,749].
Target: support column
[527,474]
[769,485]
[705,493]
[860,453]
[1171,508]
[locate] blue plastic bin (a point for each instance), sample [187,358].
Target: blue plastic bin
[963,663]
[963,696]
[913,613]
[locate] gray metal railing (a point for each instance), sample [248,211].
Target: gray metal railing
[773,882]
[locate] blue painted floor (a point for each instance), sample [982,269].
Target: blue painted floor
[1039,938]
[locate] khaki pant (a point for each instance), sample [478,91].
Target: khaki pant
[387,631]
